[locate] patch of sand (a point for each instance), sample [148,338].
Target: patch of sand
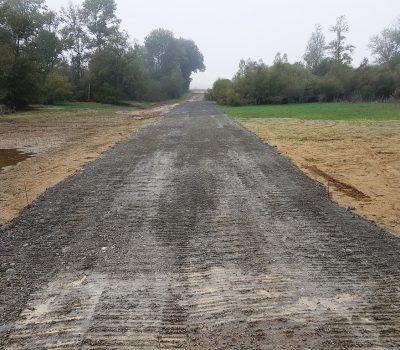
[63,142]
[359,161]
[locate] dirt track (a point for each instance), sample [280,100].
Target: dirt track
[196,235]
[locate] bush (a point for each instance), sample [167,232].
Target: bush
[281,83]
[233,98]
[57,88]
[220,90]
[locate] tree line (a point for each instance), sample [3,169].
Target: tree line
[324,75]
[82,54]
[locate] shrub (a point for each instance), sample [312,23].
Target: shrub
[57,88]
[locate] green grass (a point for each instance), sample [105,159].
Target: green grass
[319,111]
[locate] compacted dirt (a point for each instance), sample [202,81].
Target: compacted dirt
[195,235]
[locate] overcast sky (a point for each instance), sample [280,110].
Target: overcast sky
[228,30]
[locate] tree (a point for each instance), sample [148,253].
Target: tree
[172,61]
[279,58]
[57,87]
[340,51]
[160,47]
[102,23]
[75,39]
[118,76]
[107,70]
[315,50]
[220,90]
[48,45]
[21,22]
[386,46]
[191,60]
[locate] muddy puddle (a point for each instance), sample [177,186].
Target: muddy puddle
[9,157]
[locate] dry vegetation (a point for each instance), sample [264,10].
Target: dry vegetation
[63,142]
[359,159]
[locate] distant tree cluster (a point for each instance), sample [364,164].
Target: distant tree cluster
[81,53]
[325,75]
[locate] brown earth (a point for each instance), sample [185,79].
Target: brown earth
[359,161]
[62,143]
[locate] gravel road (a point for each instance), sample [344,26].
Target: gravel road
[195,235]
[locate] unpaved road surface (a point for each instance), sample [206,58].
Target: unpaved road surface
[195,235]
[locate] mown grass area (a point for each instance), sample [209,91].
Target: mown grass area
[319,111]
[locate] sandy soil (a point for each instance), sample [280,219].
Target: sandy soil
[360,161]
[63,142]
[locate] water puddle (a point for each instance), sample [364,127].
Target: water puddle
[9,157]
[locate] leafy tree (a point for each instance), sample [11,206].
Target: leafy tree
[252,82]
[279,58]
[220,90]
[21,22]
[340,52]
[57,87]
[75,39]
[315,51]
[107,76]
[172,62]
[48,49]
[191,60]
[20,83]
[160,45]
[386,46]
[173,84]
[116,76]
[102,23]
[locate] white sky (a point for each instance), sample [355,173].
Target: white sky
[228,30]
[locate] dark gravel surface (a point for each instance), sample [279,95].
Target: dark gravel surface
[195,235]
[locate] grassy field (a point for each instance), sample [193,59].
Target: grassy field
[319,111]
